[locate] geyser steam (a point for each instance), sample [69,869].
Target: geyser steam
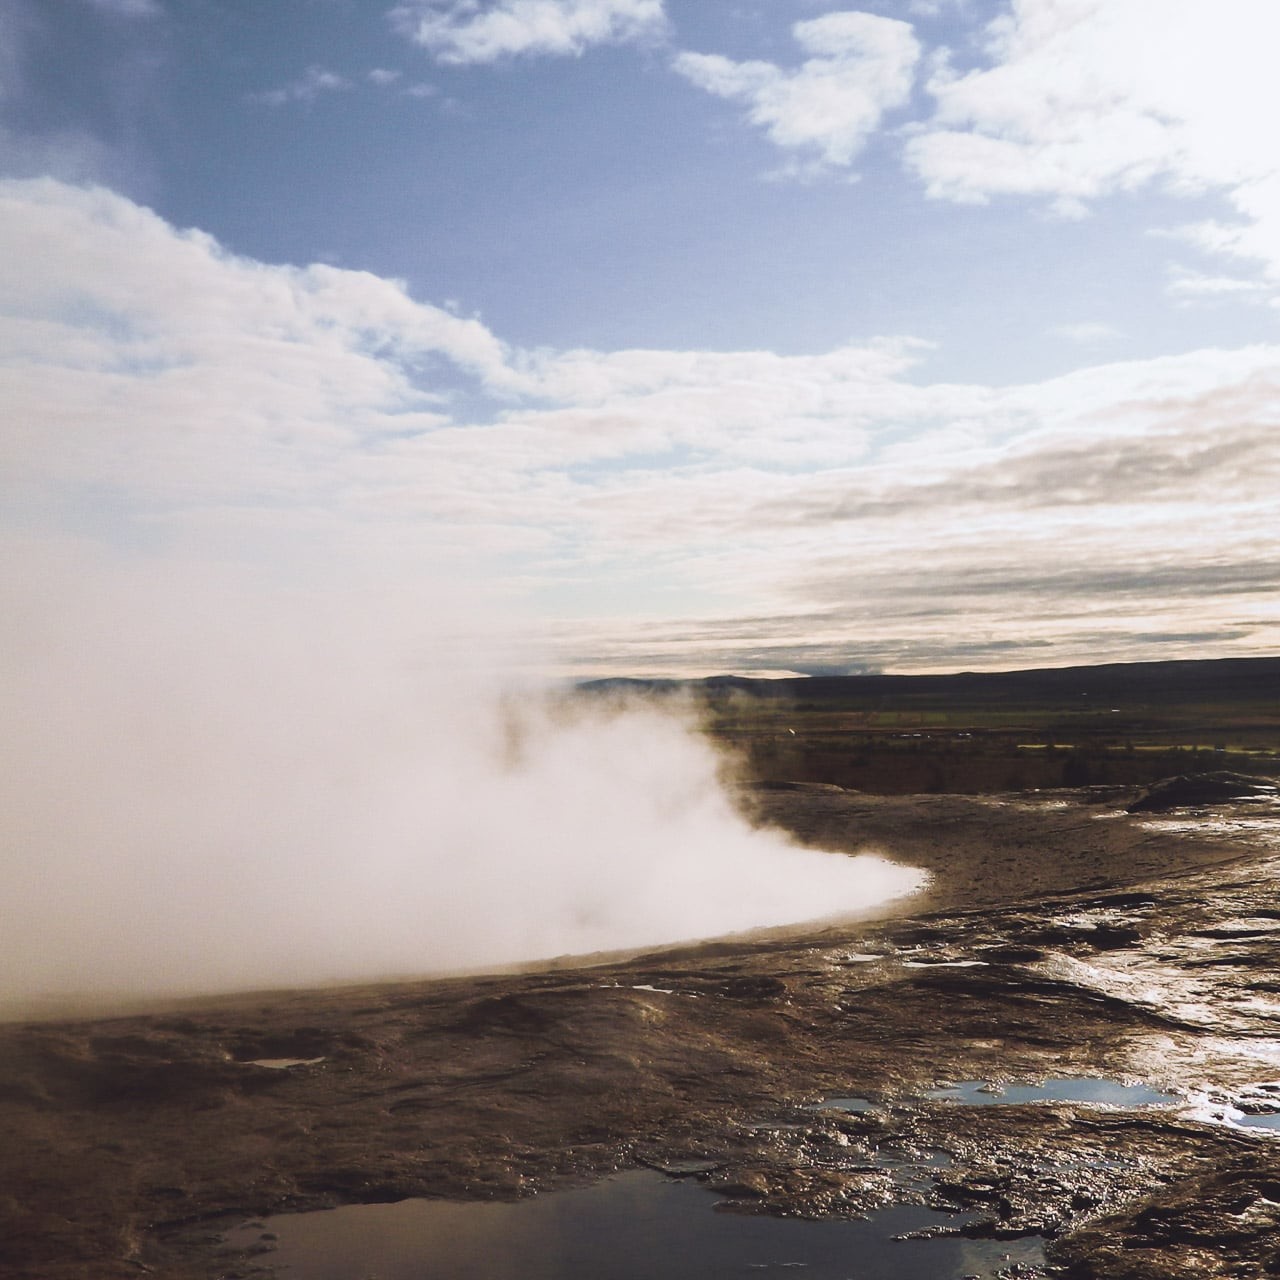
[210,790]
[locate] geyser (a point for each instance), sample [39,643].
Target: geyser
[214,789]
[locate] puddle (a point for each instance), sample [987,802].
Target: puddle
[1257,1107]
[632,1227]
[644,986]
[982,1093]
[282,1064]
[845,1104]
[1082,1089]
[1263,1120]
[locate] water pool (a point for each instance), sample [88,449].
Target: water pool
[635,1226]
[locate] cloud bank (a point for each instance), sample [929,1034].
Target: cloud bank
[740,507]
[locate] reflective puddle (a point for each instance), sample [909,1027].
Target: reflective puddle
[845,1104]
[1082,1089]
[982,1093]
[1263,1120]
[282,1064]
[1257,1107]
[635,1226]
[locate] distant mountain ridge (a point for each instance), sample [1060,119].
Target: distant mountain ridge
[1193,678]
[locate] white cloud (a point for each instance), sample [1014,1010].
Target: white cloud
[465,31]
[306,88]
[706,508]
[1088,97]
[1188,284]
[71,155]
[151,365]
[384,76]
[860,66]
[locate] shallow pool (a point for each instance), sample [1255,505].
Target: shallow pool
[636,1226]
[1261,1120]
[1082,1089]
[982,1093]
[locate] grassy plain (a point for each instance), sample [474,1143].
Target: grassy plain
[1122,724]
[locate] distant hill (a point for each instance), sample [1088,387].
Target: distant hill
[1116,683]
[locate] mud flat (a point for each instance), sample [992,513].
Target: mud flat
[819,1076]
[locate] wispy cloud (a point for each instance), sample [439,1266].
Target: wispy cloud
[463,32]
[71,155]
[393,80]
[306,88]
[859,67]
[31,146]
[130,8]
[1187,284]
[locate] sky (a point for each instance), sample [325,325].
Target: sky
[678,336]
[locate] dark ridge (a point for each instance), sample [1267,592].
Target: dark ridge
[1116,682]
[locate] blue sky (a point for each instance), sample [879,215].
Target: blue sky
[688,336]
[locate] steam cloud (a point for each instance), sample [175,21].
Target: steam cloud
[211,788]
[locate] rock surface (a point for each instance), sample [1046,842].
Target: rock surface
[1200,789]
[1060,937]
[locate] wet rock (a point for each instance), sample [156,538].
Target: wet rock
[690,1168]
[750,1185]
[1224,1223]
[810,788]
[129,1137]
[513,1014]
[1119,902]
[761,987]
[1011,953]
[251,1044]
[1090,936]
[939,1231]
[1200,789]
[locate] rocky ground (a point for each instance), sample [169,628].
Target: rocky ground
[1062,937]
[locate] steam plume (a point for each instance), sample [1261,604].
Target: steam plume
[212,788]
